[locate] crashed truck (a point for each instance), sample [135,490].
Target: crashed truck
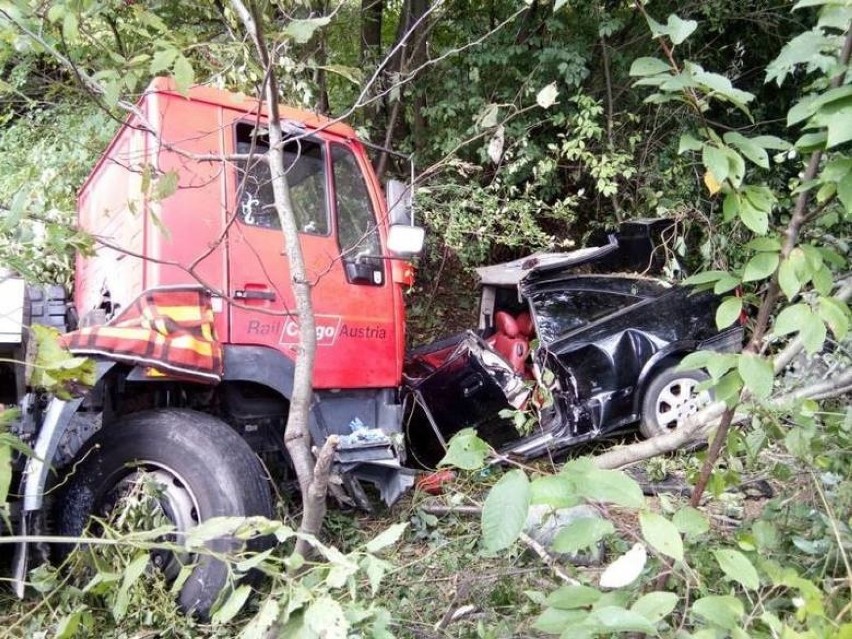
[187,309]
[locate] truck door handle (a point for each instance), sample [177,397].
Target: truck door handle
[243,294]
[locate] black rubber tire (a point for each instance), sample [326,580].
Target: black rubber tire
[667,380]
[216,464]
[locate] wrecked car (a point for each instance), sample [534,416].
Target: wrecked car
[585,351]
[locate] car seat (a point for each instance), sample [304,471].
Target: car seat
[511,339]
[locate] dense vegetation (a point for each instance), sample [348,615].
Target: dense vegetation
[531,125]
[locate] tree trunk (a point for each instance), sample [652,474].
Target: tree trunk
[371,31]
[296,435]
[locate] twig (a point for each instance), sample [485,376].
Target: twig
[547,558]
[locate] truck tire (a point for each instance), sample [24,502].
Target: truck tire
[202,469]
[670,398]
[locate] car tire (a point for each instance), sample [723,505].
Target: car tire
[203,469]
[669,398]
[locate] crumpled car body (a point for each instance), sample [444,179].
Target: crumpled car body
[552,326]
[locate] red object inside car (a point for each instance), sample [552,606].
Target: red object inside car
[512,339]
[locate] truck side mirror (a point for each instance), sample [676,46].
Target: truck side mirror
[406,240]
[398,196]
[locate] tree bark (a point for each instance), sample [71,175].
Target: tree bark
[371,31]
[297,437]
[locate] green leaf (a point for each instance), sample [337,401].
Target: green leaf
[5,471]
[210,529]
[354,75]
[726,284]
[386,538]
[582,533]
[805,48]
[757,374]
[554,621]
[772,142]
[505,511]
[813,336]
[728,312]
[376,569]
[661,534]
[326,618]
[260,624]
[731,206]
[844,192]
[837,118]
[704,278]
[687,143]
[134,570]
[690,522]
[466,451]
[626,569]
[760,267]
[748,148]
[648,66]
[572,597]
[679,30]
[716,161]
[787,279]
[810,142]
[737,567]
[183,73]
[546,98]
[556,491]
[70,28]
[303,30]
[617,619]
[755,205]
[612,486]
[233,604]
[724,611]
[67,627]
[764,244]
[655,606]
[793,319]
[834,313]
[166,185]
[163,59]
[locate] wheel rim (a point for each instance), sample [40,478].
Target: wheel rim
[678,400]
[155,493]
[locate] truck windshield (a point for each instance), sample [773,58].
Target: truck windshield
[305,173]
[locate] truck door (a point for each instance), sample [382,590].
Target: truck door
[352,293]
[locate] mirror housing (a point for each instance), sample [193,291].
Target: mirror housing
[405,240]
[398,196]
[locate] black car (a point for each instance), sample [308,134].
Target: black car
[588,353]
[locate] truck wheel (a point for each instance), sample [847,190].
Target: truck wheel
[199,467]
[670,398]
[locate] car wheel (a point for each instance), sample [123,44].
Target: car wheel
[670,398]
[192,467]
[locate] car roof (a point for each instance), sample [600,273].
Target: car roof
[514,272]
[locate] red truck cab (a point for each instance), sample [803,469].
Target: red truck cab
[219,227]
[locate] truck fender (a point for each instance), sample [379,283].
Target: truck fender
[57,417]
[678,349]
[261,365]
